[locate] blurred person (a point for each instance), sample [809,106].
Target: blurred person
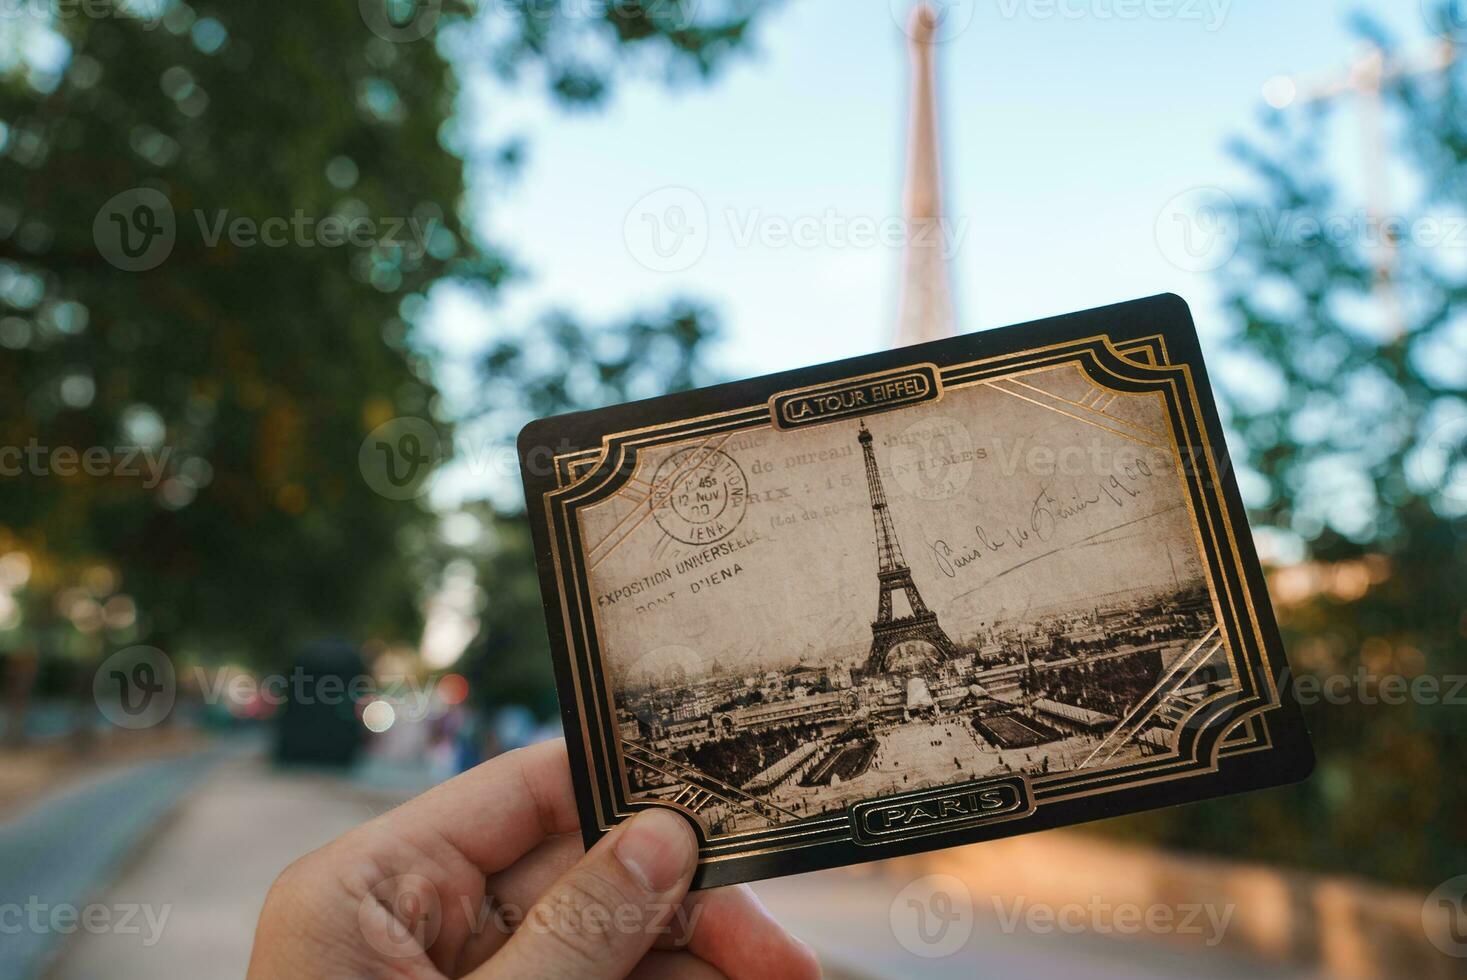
[485,877]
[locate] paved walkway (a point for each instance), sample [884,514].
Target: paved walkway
[846,914]
[62,849]
[212,868]
[227,842]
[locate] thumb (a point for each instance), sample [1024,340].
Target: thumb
[602,916]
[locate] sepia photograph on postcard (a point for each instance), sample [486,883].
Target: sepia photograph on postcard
[820,616]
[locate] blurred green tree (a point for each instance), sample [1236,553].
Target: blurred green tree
[218,226]
[562,366]
[1352,421]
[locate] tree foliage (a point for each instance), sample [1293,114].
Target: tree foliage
[560,367]
[1352,325]
[259,361]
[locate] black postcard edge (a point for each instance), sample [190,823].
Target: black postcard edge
[1289,760]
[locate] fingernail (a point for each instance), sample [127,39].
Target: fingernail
[658,847]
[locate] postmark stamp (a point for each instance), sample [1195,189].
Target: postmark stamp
[701,495]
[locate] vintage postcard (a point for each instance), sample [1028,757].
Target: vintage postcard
[943,593]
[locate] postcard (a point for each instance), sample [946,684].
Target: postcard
[940,594]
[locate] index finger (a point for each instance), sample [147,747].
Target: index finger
[498,811]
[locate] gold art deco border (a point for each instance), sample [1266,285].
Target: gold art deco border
[1229,723]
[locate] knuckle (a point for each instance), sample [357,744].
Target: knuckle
[296,875]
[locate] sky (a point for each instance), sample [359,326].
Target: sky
[1070,128]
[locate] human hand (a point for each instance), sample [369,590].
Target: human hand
[485,877]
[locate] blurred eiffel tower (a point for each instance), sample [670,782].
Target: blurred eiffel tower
[926,310]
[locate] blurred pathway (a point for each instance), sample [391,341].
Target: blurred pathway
[846,914]
[61,849]
[211,869]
